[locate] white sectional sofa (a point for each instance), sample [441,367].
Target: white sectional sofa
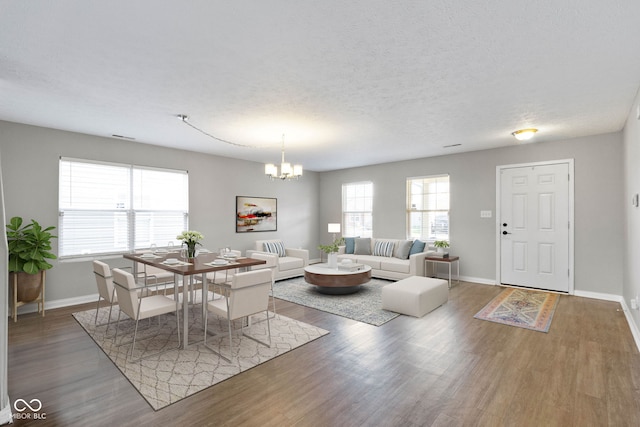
[392,259]
[291,262]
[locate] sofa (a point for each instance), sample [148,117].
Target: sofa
[392,259]
[291,262]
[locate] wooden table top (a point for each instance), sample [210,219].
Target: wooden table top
[443,259]
[196,265]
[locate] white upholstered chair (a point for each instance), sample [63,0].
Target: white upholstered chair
[272,265]
[106,291]
[247,294]
[138,307]
[291,261]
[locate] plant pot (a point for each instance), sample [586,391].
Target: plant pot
[29,286]
[332,259]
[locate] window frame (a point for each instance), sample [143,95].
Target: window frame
[134,210]
[411,210]
[367,215]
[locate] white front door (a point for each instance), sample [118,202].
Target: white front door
[534,226]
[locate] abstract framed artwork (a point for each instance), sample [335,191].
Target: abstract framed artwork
[256,214]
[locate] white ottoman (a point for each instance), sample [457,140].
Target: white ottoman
[415,295]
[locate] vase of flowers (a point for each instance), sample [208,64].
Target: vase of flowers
[332,251]
[190,239]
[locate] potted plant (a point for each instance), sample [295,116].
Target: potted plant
[29,250]
[332,251]
[190,239]
[441,245]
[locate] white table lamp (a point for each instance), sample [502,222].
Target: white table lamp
[333,228]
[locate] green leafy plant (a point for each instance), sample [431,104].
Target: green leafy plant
[29,246]
[441,244]
[333,247]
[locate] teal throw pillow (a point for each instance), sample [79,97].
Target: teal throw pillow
[350,245]
[417,247]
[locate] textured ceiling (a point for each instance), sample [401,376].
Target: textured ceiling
[348,83]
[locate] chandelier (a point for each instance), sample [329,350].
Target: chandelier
[286,172]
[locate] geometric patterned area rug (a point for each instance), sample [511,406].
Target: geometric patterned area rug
[364,306]
[522,308]
[163,379]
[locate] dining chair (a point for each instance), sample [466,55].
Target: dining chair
[139,307]
[271,264]
[106,290]
[247,294]
[221,277]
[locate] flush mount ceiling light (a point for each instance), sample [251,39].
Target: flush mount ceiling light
[524,134]
[286,171]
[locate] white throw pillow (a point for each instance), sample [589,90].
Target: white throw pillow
[383,248]
[276,247]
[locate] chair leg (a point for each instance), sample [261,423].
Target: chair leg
[133,345]
[109,321]
[95,321]
[273,300]
[230,339]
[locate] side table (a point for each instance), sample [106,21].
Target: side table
[441,260]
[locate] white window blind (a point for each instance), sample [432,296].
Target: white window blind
[357,209]
[107,208]
[428,208]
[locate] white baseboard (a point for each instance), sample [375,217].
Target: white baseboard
[49,305]
[597,295]
[632,324]
[477,280]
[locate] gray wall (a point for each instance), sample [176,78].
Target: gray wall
[598,198]
[632,186]
[30,158]
[30,168]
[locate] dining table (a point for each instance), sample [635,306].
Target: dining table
[188,268]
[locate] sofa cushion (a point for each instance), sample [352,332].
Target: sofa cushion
[417,247]
[275,247]
[289,263]
[349,244]
[383,248]
[370,260]
[363,246]
[396,265]
[402,249]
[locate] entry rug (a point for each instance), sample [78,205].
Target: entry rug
[173,375]
[364,306]
[522,308]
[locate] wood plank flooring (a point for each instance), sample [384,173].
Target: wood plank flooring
[445,369]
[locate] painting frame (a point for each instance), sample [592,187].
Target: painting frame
[256,214]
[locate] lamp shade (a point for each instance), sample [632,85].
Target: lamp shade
[334,227]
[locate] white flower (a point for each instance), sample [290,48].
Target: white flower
[190,236]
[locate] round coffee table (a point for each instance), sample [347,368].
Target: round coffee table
[334,281]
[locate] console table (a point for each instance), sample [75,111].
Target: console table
[441,260]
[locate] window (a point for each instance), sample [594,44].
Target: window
[107,208]
[428,208]
[357,209]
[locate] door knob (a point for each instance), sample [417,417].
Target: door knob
[504,224]
[505,233]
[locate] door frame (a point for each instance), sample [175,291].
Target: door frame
[499,169]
